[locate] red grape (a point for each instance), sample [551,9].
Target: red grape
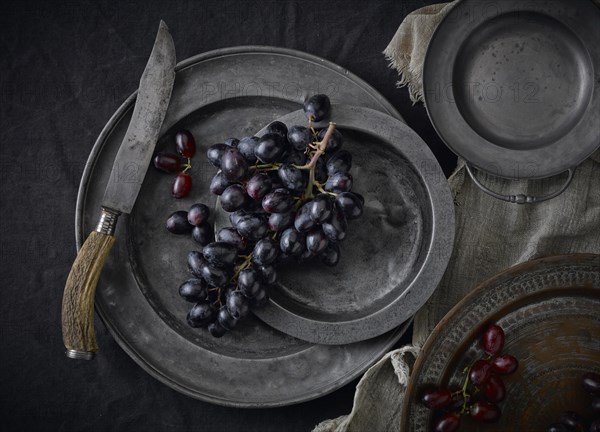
[436,398]
[485,411]
[493,339]
[504,364]
[186,145]
[480,372]
[494,389]
[198,214]
[591,383]
[449,422]
[182,185]
[167,162]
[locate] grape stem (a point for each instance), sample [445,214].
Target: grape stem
[187,166]
[320,187]
[321,147]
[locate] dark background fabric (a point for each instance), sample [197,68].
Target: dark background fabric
[65,67]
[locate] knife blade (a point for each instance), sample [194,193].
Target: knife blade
[128,172]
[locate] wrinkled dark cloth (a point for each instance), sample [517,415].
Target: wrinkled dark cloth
[65,67]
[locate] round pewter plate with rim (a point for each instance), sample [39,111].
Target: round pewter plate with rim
[513,87]
[393,256]
[230,92]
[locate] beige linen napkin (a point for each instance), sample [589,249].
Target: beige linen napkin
[491,235]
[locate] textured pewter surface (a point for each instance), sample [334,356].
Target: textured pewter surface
[549,311]
[137,295]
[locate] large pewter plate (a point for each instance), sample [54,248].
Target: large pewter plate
[394,255]
[513,86]
[232,92]
[549,310]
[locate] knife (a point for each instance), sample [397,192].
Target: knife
[121,192]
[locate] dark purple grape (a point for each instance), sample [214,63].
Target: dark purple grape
[193,290]
[435,398]
[292,242]
[331,255]
[246,147]
[504,364]
[216,329]
[341,161]
[249,282]
[573,420]
[316,241]
[220,254]
[259,185]
[591,383]
[201,314]
[335,140]
[321,171]
[231,142]
[270,148]
[214,276]
[260,298]
[203,234]
[167,162]
[280,221]
[485,411]
[234,217]
[237,305]
[557,427]
[278,128]
[225,319]
[494,389]
[198,214]
[233,165]
[177,223]
[295,157]
[339,182]
[186,144]
[278,201]
[251,226]
[493,339]
[303,222]
[215,152]
[320,208]
[230,235]
[268,273]
[299,137]
[351,204]
[480,373]
[219,183]
[265,252]
[336,227]
[595,426]
[182,185]
[292,178]
[233,198]
[449,422]
[317,107]
[195,261]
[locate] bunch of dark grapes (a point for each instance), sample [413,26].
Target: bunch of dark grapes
[571,420]
[171,163]
[482,390]
[289,197]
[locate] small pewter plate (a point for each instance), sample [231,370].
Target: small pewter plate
[549,309]
[511,86]
[229,92]
[395,253]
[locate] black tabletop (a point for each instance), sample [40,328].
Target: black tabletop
[65,68]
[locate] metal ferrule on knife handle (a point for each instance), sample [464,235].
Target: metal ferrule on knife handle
[108,221]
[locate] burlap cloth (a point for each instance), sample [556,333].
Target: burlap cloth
[491,235]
